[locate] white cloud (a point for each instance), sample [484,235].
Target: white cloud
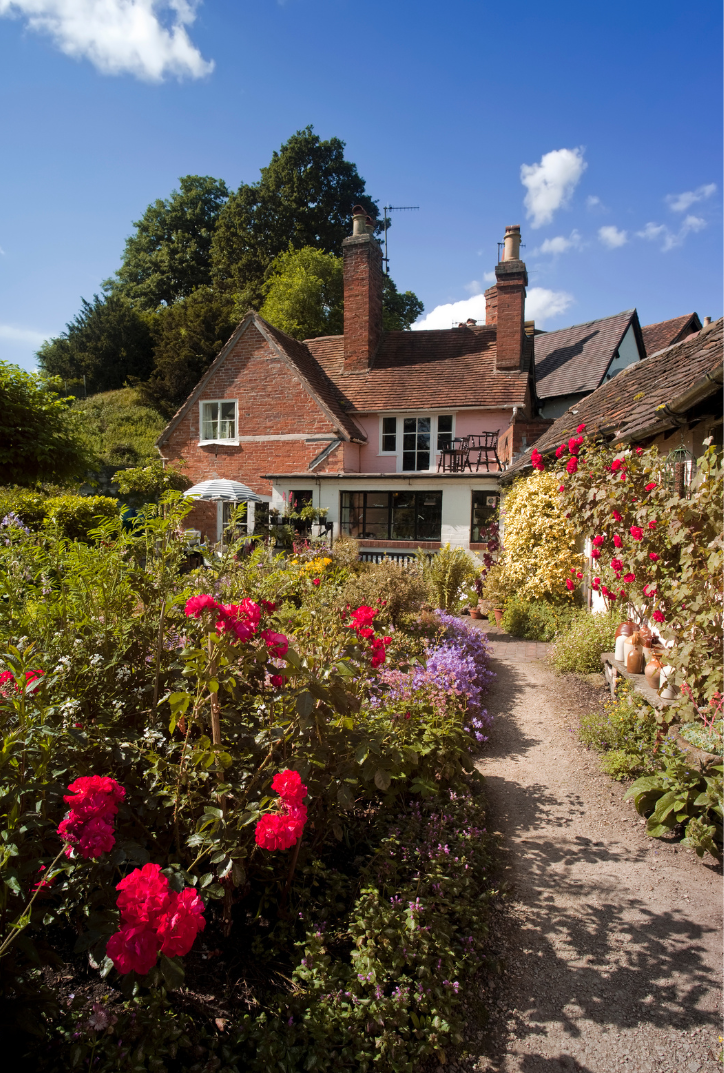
[593,202]
[23,335]
[473,287]
[671,239]
[489,277]
[540,305]
[682,202]
[550,183]
[145,38]
[555,246]
[611,237]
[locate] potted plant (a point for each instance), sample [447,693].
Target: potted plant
[497,589]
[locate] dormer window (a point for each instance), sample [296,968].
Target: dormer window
[417,440]
[219,421]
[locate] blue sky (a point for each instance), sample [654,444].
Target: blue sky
[610,113]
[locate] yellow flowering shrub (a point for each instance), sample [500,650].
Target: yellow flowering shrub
[539,542]
[314,566]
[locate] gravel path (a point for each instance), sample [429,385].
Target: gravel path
[610,944]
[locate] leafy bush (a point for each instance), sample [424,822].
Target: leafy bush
[677,795]
[193,713]
[498,586]
[708,738]
[536,620]
[446,575]
[118,428]
[626,732]
[149,483]
[75,515]
[393,589]
[579,646]
[539,541]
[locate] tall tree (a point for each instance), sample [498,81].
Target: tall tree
[108,342]
[41,438]
[188,336]
[304,296]
[304,197]
[169,255]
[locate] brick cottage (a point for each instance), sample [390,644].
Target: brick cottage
[358,423]
[372,424]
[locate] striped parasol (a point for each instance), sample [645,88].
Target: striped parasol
[221,490]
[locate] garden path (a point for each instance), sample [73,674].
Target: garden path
[611,942]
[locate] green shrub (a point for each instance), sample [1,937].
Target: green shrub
[535,620]
[677,795]
[579,647]
[447,576]
[394,589]
[76,515]
[625,732]
[498,586]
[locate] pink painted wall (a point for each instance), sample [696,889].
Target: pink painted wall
[467,422]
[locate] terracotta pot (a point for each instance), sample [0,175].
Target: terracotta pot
[626,628]
[498,612]
[475,612]
[652,671]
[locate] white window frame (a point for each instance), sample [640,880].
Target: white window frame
[232,442]
[399,433]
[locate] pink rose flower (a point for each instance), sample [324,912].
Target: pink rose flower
[572,465]
[653,557]
[636,532]
[658,616]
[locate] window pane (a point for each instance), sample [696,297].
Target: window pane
[389,424]
[210,421]
[377,516]
[408,460]
[352,512]
[429,515]
[423,460]
[423,424]
[444,431]
[484,507]
[389,433]
[227,422]
[408,441]
[409,424]
[403,516]
[423,441]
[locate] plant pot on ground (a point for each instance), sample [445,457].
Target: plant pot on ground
[475,612]
[498,612]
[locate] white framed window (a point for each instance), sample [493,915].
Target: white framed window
[416,440]
[218,421]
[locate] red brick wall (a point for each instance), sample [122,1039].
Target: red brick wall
[271,402]
[362,301]
[491,305]
[510,316]
[519,435]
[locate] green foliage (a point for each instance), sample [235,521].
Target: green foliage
[303,293]
[446,575]
[626,732]
[187,336]
[75,516]
[42,439]
[498,586]
[708,738]
[579,646]
[118,428]
[108,341]
[304,197]
[189,722]
[395,589]
[169,256]
[677,795]
[152,481]
[536,620]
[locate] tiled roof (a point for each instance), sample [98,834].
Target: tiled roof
[575,359]
[667,332]
[425,370]
[629,407]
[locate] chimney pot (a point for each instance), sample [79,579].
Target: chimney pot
[511,243]
[707,321]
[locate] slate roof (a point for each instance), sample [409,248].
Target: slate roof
[575,359]
[667,332]
[632,405]
[426,370]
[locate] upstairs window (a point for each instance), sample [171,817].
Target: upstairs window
[218,421]
[389,435]
[415,443]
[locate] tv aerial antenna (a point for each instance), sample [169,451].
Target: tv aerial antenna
[393,208]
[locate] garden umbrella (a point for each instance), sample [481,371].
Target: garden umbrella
[223,491]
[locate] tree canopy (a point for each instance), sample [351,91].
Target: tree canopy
[41,437]
[169,256]
[304,197]
[108,342]
[304,293]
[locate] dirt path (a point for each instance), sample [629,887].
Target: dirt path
[612,940]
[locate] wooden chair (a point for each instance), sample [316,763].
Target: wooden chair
[482,449]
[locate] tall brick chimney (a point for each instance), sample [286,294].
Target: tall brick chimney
[362,257]
[511,280]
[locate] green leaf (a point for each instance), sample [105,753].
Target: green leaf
[382,779]
[172,972]
[345,797]
[361,753]
[305,704]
